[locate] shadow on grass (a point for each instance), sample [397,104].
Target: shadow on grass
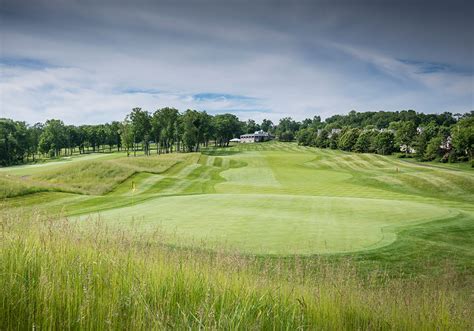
[220,151]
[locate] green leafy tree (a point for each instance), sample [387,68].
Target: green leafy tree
[207,129]
[191,130]
[286,129]
[463,137]
[429,131]
[348,139]
[267,126]
[251,126]
[333,140]
[165,122]
[365,142]
[405,134]
[13,141]
[53,137]
[113,135]
[322,139]
[433,149]
[34,133]
[385,143]
[141,124]
[226,126]
[127,134]
[306,136]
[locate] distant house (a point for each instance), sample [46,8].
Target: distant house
[447,144]
[387,130]
[408,149]
[333,132]
[256,137]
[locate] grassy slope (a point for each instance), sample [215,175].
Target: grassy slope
[83,175]
[54,275]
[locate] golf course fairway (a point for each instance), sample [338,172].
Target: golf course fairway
[276,198]
[271,198]
[271,229]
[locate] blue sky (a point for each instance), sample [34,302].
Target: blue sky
[92,61]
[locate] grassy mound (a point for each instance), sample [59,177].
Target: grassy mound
[86,177]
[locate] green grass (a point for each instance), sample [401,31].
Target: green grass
[88,176]
[270,235]
[277,224]
[56,275]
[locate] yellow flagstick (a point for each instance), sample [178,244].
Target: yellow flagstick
[134,188]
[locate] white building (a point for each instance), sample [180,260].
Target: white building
[256,137]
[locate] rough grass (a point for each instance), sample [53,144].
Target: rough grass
[86,177]
[56,275]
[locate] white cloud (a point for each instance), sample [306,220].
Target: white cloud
[297,67]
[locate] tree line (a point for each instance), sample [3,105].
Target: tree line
[445,136]
[166,129]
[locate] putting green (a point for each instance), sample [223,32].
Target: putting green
[276,224]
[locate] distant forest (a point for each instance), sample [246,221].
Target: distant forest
[444,137]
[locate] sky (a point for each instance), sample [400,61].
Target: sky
[89,62]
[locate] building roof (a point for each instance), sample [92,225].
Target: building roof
[260,133]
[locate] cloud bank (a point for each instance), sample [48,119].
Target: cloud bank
[91,62]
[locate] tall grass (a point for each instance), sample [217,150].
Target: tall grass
[86,177]
[58,275]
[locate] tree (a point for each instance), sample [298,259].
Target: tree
[384,143]
[405,134]
[165,122]
[191,130]
[34,133]
[365,142]
[90,137]
[53,137]
[207,129]
[333,140]
[21,137]
[113,135]
[286,129]
[72,137]
[428,132]
[433,149]
[322,140]
[126,134]
[306,136]
[463,137]
[267,125]
[12,141]
[226,127]
[348,139]
[141,126]
[251,126]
